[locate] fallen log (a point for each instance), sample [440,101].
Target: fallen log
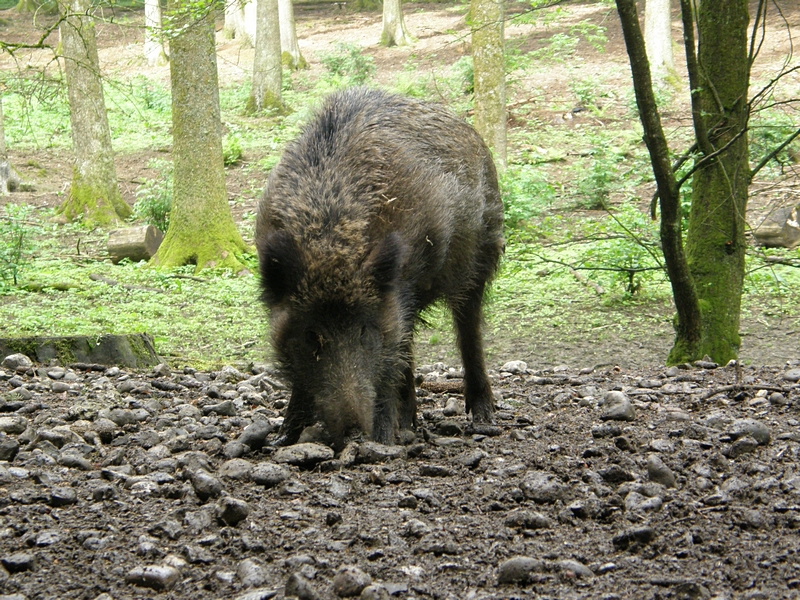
[134,243]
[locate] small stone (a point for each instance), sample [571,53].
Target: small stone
[790,375]
[374,592]
[298,585]
[226,409]
[618,407]
[777,399]
[122,417]
[255,435]
[8,448]
[434,471]
[454,407]
[258,594]
[515,367]
[758,430]
[157,577]
[471,458]
[13,424]
[59,387]
[236,468]
[232,511]
[162,370]
[519,569]
[17,362]
[349,581]
[251,573]
[205,485]
[303,455]
[744,445]
[269,474]
[526,519]
[659,472]
[543,487]
[373,452]
[18,562]
[573,566]
[63,496]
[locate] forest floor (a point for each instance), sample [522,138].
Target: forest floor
[684,484]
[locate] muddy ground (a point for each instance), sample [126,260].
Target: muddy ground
[654,483]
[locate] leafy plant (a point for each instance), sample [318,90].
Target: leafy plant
[154,196]
[347,61]
[526,194]
[231,149]
[15,242]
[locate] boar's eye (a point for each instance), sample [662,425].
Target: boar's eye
[313,340]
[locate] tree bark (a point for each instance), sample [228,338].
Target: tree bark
[688,324]
[290,49]
[201,228]
[267,69]
[658,37]
[249,23]
[94,193]
[234,13]
[488,55]
[153,44]
[707,284]
[715,242]
[394,26]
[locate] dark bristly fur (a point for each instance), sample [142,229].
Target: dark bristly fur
[383,205]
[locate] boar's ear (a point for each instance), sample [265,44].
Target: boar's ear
[385,261]
[280,266]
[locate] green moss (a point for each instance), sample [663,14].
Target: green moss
[287,60]
[95,205]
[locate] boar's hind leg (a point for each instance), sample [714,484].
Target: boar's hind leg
[477,391]
[298,416]
[408,398]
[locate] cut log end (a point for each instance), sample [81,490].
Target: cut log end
[134,243]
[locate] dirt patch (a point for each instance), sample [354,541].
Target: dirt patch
[609,484]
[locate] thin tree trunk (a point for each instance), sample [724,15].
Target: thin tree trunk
[153,43]
[248,23]
[94,193]
[394,26]
[290,49]
[201,229]
[267,68]
[689,324]
[5,167]
[658,37]
[715,241]
[233,18]
[488,55]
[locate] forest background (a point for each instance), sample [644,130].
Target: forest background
[582,282]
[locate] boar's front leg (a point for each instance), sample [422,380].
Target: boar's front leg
[299,415]
[477,390]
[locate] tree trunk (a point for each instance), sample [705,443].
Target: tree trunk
[707,283]
[153,44]
[5,167]
[94,193]
[658,37]
[267,68]
[488,55]
[394,26]
[290,49]
[201,228]
[715,242]
[688,324]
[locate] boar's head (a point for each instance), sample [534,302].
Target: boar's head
[338,328]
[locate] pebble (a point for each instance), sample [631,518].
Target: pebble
[526,519]
[157,577]
[543,487]
[617,407]
[17,362]
[515,367]
[792,375]
[659,472]
[205,485]
[373,452]
[19,561]
[232,511]
[758,430]
[13,424]
[305,455]
[520,569]
[236,468]
[349,581]
[375,592]
[258,594]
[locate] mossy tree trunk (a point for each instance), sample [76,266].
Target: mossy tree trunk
[290,49]
[715,241]
[94,193]
[267,69]
[201,229]
[707,275]
[488,55]
[394,26]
